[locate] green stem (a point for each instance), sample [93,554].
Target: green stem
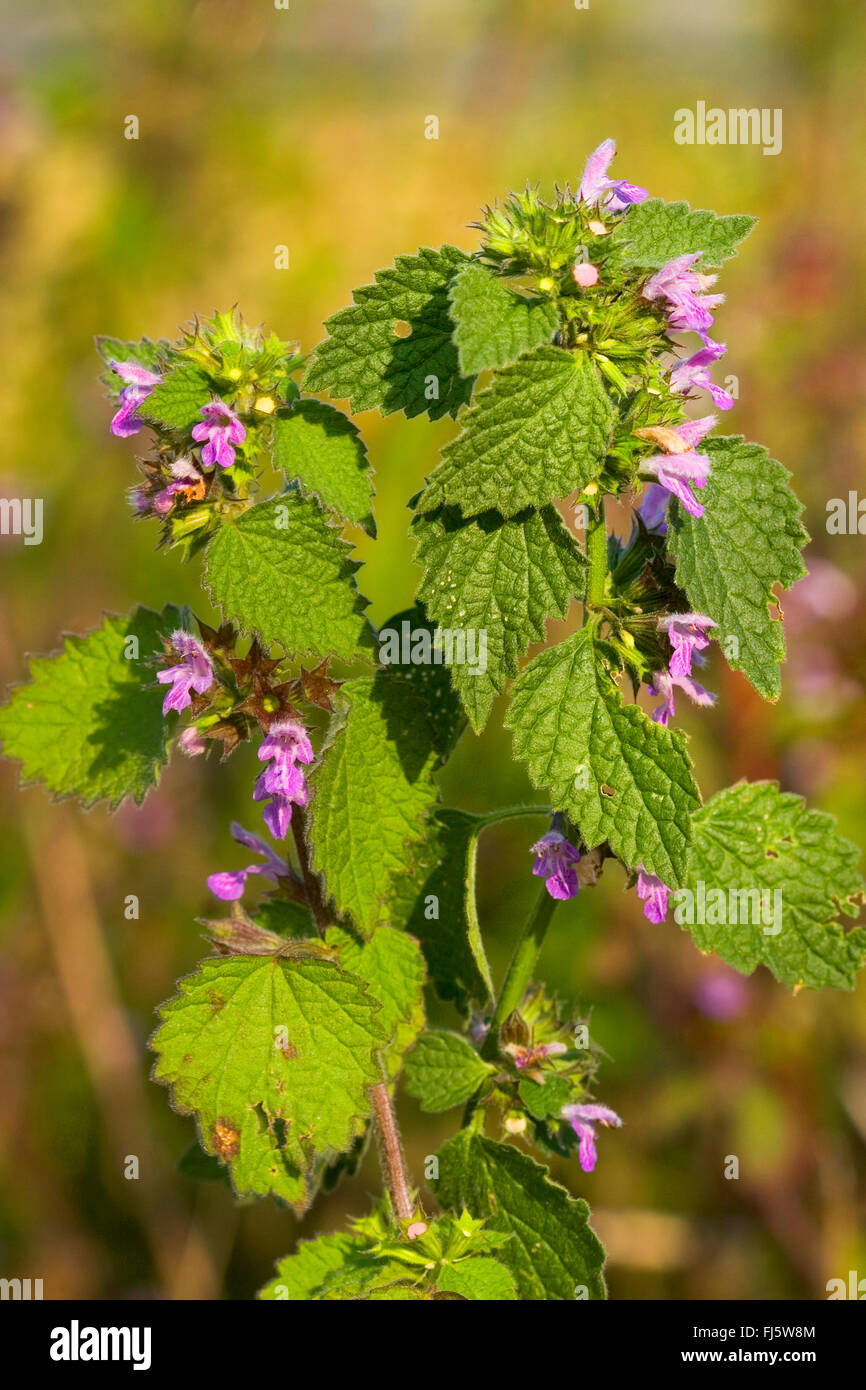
[521,969]
[596,554]
[509,812]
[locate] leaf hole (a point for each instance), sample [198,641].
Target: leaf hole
[402,329]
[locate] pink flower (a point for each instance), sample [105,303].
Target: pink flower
[141,382]
[663,683]
[682,287]
[554,861]
[585,274]
[654,896]
[192,743]
[681,469]
[693,373]
[596,187]
[583,1120]
[283,784]
[194,672]
[185,475]
[687,634]
[222,430]
[230,886]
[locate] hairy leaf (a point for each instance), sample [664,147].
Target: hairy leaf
[436,902]
[282,571]
[619,776]
[300,1276]
[728,560]
[89,722]
[499,581]
[392,965]
[443,1070]
[654,232]
[323,449]
[370,360]
[178,399]
[493,324]
[273,1056]
[554,1251]
[480,1278]
[753,839]
[540,430]
[371,793]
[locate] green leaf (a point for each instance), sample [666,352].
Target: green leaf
[366,360]
[89,723]
[493,324]
[392,965]
[499,580]
[753,838]
[654,232]
[748,539]
[540,430]
[431,682]
[300,1276]
[273,1056]
[178,399]
[479,1278]
[619,776]
[554,1251]
[371,792]
[443,1070]
[436,902]
[323,449]
[545,1102]
[282,570]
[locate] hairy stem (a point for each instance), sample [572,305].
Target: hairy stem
[521,968]
[596,554]
[312,885]
[390,1148]
[391,1152]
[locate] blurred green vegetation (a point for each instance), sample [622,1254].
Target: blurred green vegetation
[305,127]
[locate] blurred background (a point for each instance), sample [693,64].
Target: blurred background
[305,126]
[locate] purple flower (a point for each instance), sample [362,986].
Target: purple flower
[596,187]
[195,672]
[663,683]
[683,288]
[140,384]
[229,886]
[682,469]
[687,633]
[693,372]
[222,429]
[192,742]
[654,896]
[653,508]
[554,861]
[285,745]
[583,1120]
[185,476]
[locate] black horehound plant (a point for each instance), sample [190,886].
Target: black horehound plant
[288,1040]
